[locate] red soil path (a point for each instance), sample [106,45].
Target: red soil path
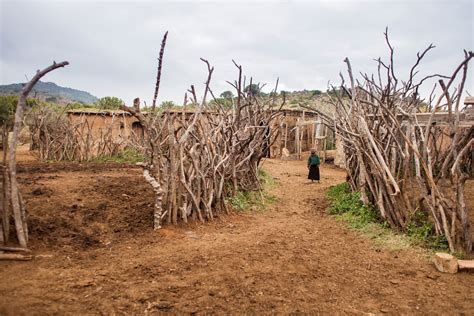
[94,220]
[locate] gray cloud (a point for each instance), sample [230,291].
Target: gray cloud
[113,46]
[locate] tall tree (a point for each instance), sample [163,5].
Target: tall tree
[227,94]
[253,89]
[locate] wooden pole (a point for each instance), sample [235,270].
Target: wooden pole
[15,194]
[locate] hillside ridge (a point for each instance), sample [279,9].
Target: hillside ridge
[51,92]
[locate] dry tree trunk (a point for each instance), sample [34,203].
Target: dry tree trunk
[14,195]
[5,211]
[158,76]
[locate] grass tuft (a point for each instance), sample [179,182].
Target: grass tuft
[422,233]
[255,200]
[348,207]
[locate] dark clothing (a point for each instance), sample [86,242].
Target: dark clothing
[313,165]
[313,172]
[313,160]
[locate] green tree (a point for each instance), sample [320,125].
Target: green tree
[109,103]
[78,105]
[51,99]
[227,94]
[253,88]
[7,115]
[167,105]
[7,108]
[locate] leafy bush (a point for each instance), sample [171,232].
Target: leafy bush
[345,201]
[168,105]
[349,208]
[240,201]
[109,103]
[7,108]
[227,94]
[422,232]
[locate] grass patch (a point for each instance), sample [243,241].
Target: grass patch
[348,207]
[255,200]
[343,201]
[124,156]
[266,180]
[422,233]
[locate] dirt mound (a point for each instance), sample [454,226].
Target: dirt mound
[81,209]
[39,167]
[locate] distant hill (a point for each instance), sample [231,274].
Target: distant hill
[51,92]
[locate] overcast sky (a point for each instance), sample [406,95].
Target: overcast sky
[113,46]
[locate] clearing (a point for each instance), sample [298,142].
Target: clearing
[92,223]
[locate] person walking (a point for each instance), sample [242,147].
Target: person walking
[313,166]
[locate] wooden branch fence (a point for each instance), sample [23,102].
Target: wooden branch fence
[399,164]
[57,137]
[197,161]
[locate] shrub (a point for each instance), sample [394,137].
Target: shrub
[348,206]
[244,200]
[422,232]
[345,201]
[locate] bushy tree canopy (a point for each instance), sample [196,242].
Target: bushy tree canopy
[7,108]
[227,94]
[109,103]
[253,88]
[167,104]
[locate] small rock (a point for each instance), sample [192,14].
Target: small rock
[394,281]
[446,263]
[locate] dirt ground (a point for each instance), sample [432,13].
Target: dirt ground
[92,223]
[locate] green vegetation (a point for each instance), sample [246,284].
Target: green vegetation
[227,95]
[347,206]
[253,88]
[124,156]
[422,232]
[254,200]
[346,202]
[109,103]
[79,105]
[7,108]
[168,105]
